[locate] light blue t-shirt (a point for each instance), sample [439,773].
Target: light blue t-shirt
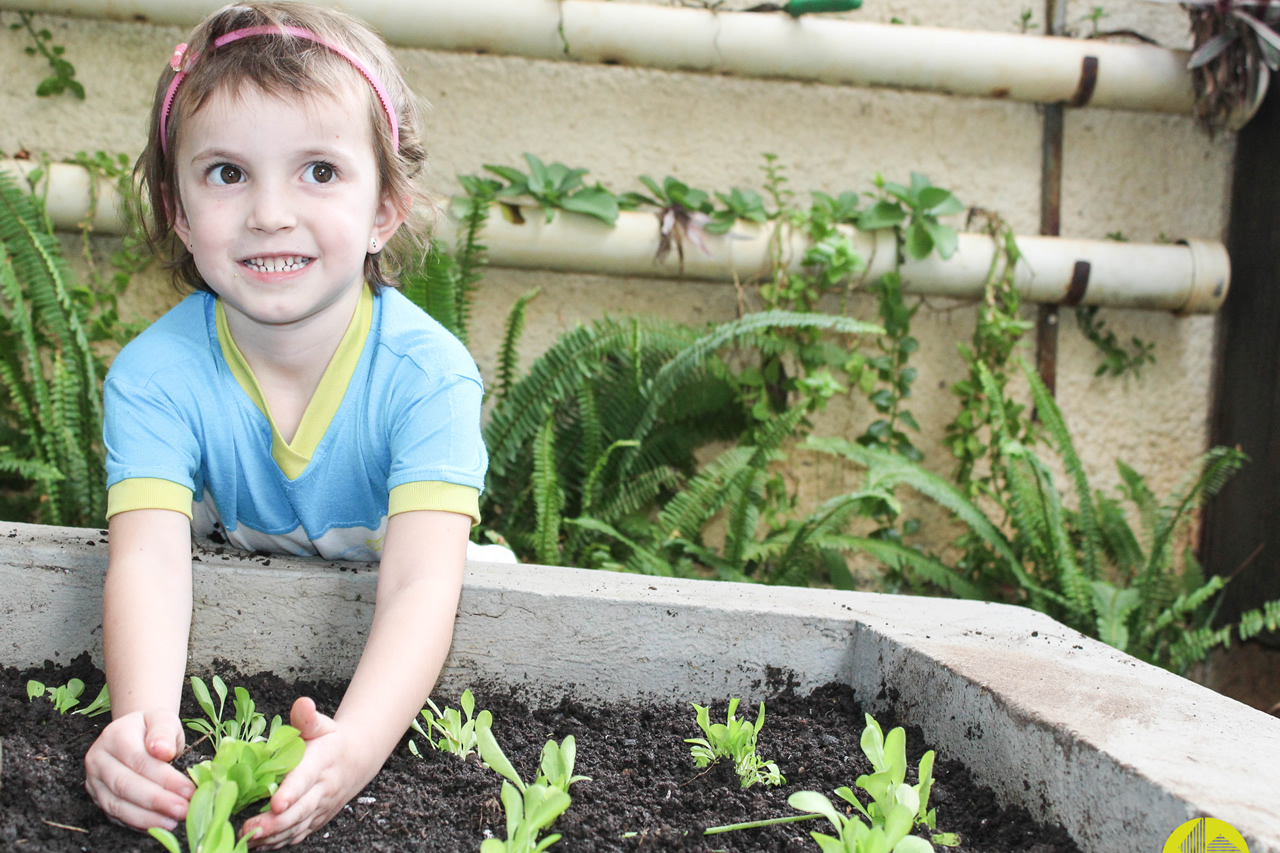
[394,426]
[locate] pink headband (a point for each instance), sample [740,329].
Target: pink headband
[179,55]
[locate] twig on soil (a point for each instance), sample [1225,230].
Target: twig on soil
[695,778]
[63,826]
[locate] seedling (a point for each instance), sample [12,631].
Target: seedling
[892,801]
[101,704]
[530,809]
[64,698]
[240,773]
[248,724]
[457,736]
[736,740]
[854,836]
[557,185]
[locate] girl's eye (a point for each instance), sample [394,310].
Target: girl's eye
[319,173]
[225,173]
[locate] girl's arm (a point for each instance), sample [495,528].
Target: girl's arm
[419,582]
[146,617]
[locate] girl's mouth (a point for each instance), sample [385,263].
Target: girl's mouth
[287,263]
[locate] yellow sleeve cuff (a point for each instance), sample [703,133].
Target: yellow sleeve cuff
[435,495]
[148,493]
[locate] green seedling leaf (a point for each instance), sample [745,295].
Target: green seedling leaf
[34,690]
[100,705]
[166,838]
[493,757]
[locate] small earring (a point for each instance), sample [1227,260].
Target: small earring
[374,244]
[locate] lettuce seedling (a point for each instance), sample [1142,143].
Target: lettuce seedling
[854,836]
[556,768]
[64,698]
[735,740]
[529,809]
[457,736]
[247,725]
[239,774]
[887,786]
[101,704]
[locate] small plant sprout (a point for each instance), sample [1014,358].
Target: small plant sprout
[887,785]
[529,809]
[736,740]
[239,774]
[247,725]
[101,704]
[457,735]
[64,698]
[854,836]
[556,769]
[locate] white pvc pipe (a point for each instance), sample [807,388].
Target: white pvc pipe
[1041,69]
[65,190]
[1188,278]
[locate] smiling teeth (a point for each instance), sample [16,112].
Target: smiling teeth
[286,264]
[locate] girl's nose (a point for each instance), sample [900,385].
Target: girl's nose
[271,210]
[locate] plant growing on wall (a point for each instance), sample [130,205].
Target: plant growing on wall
[1236,51]
[63,74]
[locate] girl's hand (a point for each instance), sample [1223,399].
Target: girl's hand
[314,791]
[127,771]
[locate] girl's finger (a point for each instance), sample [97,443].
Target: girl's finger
[117,783]
[290,826]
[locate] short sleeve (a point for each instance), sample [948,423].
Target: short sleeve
[435,429]
[147,436]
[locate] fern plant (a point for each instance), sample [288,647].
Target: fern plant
[51,412]
[1085,566]
[445,282]
[604,427]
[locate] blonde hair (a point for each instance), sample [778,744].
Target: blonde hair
[280,65]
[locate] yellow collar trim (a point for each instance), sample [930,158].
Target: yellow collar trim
[293,458]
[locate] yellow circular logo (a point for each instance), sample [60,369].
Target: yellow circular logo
[1205,835]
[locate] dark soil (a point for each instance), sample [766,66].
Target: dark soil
[642,778]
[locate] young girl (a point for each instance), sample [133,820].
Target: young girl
[292,403]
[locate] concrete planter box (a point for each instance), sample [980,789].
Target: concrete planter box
[1118,752]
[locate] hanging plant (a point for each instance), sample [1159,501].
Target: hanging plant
[1236,50]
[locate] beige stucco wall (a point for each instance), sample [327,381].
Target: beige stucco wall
[1145,175]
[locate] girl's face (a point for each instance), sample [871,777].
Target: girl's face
[278,202]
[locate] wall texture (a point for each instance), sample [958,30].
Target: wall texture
[1145,175]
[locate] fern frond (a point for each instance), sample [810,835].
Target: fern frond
[630,495]
[434,288]
[887,470]
[1086,515]
[1118,540]
[591,488]
[29,469]
[1209,474]
[705,495]
[1266,618]
[1036,513]
[643,559]
[1181,609]
[1140,495]
[548,498]
[747,331]
[508,353]
[906,560]
[1192,646]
